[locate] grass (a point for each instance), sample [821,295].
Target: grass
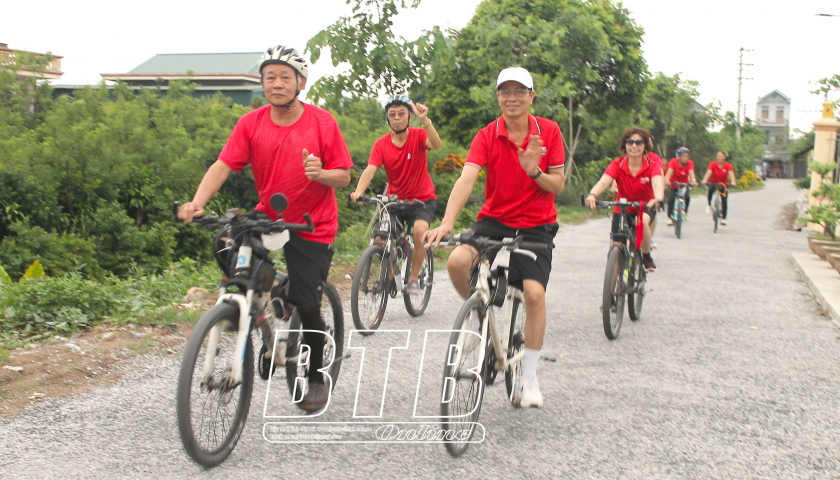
[142,344]
[574,215]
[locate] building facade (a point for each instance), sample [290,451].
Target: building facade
[52,72]
[772,115]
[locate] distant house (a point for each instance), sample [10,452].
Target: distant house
[52,72]
[772,114]
[236,75]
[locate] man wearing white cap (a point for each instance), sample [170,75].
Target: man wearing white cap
[524,157]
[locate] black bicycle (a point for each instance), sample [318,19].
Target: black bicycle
[385,265]
[625,276]
[217,369]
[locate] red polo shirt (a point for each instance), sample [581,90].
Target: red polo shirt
[275,154]
[635,188]
[511,197]
[406,167]
[720,174]
[680,171]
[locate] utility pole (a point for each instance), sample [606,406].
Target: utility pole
[741,79]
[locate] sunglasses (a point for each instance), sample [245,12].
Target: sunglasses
[636,142]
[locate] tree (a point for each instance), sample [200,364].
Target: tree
[377,59]
[584,56]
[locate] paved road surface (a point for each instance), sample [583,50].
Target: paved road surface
[731,373]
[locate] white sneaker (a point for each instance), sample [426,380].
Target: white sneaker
[669,222]
[474,325]
[708,209]
[530,395]
[687,217]
[723,221]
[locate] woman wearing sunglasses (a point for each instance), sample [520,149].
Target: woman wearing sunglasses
[639,179]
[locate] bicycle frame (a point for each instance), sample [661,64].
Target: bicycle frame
[386,218]
[679,200]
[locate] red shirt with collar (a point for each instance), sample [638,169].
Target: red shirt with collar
[275,154]
[635,188]
[680,171]
[406,167]
[511,197]
[653,157]
[720,174]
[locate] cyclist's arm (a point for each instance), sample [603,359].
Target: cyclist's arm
[433,141]
[553,180]
[658,187]
[603,184]
[364,180]
[668,175]
[210,184]
[335,178]
[692,177]
[457,199]
[731,177]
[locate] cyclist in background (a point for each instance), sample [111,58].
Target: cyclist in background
[524,157]
[680,170]
[720,171]
[639,179]
[313,161]
[403,152]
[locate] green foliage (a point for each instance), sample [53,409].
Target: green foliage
[36,270]
[377,60]
[827,85]
[826,211]
[800,147]
[4,277]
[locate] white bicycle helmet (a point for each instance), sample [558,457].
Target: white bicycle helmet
[283,55]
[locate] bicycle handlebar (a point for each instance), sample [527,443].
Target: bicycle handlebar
[261,226]
[485,243]
[388,201]
[608,204]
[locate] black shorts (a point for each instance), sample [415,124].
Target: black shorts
[308,266]
[419,212]
[631,218]
[522,267]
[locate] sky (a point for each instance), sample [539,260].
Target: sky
[699,40]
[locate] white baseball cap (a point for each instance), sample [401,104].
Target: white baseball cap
[515,74]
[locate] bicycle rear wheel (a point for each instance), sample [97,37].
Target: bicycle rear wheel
[716,210]
[614,291]
[463,388]
[333,318]
[416,304]
[516,344]
[680,207]
[211,412]
[370,289]
[636,281]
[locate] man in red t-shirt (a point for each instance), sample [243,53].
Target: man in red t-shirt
[295,149]
[680,170]
[403,152]
[524,157]
[720,172]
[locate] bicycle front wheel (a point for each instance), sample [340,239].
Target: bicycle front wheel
[211,410]
[416,304]
[333,318]
[516,344]
[636,281]
[370,289]
[463,386]
[613,302]
[680,207]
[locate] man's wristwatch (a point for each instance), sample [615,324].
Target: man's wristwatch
[536,175]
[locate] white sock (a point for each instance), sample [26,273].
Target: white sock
[529,363]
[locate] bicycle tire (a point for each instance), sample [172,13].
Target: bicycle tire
[637,280]
[613,301]
[516,343]
[335,328]
[373,311]
[426,279]
[678,222]
[716,210]
[214,455]
[473,390]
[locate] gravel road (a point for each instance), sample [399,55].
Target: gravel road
[731,373]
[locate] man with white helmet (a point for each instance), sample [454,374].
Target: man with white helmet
[524,157]
[403,152]
[296,149]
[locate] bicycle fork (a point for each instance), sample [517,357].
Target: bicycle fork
[241,338]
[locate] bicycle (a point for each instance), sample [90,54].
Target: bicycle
[224,337]
[502,351]
[623,257]
[678,213]
[385,264]
[721,189]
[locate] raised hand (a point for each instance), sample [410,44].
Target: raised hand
[311,165]
[530,157]
[421,111]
